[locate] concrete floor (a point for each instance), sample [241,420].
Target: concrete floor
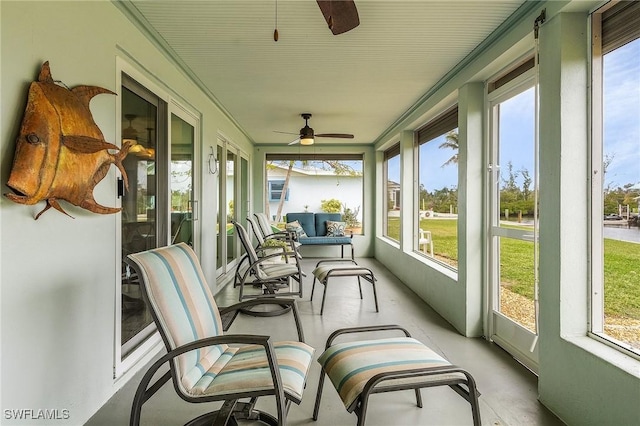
[508,390]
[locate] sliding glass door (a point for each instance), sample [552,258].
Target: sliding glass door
[143,122]
[183,203]
[160,206]
[233,203]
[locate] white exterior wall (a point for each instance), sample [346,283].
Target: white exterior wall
[309,191]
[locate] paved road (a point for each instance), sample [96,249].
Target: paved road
[624,234]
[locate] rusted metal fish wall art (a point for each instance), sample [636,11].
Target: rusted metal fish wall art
[61,153]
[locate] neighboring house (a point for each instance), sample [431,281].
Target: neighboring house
[394,195]
[307,188]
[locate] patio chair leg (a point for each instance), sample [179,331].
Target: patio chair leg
[324,294]
[360,287]
[418,398]
[375,295]
[361,411]
[313,287]
[316,408]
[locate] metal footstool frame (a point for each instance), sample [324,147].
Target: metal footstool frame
[343,270]
[465,387]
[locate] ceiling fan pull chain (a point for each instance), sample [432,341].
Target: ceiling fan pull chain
[275,31]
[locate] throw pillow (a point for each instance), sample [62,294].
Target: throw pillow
[335,229]
[297,228]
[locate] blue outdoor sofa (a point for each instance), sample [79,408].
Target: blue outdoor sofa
[315,228]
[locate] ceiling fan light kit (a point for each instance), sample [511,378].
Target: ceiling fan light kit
[306,140]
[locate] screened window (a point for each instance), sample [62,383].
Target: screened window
[331,183]
[275,190]
[616,176]
[437,204]
[392,192]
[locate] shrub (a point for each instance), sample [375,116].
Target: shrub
[350,217]
[331,206]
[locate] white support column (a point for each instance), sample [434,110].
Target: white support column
[470,200]
[407,178]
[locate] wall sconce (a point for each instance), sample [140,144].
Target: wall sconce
[213,162]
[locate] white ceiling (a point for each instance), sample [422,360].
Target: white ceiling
[359,82]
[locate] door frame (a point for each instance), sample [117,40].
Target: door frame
[151,343]
[513,337]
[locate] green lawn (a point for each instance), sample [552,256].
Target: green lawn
[622,278]
[622,264]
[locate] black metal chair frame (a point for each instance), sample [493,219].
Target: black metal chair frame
[268,233]
[232,408]
[289,249]
[272,285]
[377,384]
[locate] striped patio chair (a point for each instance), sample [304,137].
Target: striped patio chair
[274,271]
[206,364]
[264,227]
[359,369]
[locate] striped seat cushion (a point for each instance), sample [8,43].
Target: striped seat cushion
[246,369]
[268,271]
[350,365]
[339,270]
[185,308]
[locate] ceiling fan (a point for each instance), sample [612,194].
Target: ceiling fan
[306,136]
[341,16]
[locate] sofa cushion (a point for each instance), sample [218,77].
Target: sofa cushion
[321,222]
[326,241]
[297,228]
[305,220]
[335,229]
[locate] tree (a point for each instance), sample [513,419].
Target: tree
[451,142]
[510,181]
[283,194]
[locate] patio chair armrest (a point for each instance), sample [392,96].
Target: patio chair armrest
[282,252]
[144,392]
[285,254]
[262,249]
[364,329]
[237,307]
[287,235]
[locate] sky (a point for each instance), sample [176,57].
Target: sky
[622,114]
[621,130]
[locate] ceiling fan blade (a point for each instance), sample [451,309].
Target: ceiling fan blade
[285,133]
[295,142]
[335,135]
[341,16]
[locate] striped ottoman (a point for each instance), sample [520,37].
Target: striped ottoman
[329,268]
[358,369]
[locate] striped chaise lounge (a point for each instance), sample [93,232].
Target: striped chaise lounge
[205,364]
[358,369]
